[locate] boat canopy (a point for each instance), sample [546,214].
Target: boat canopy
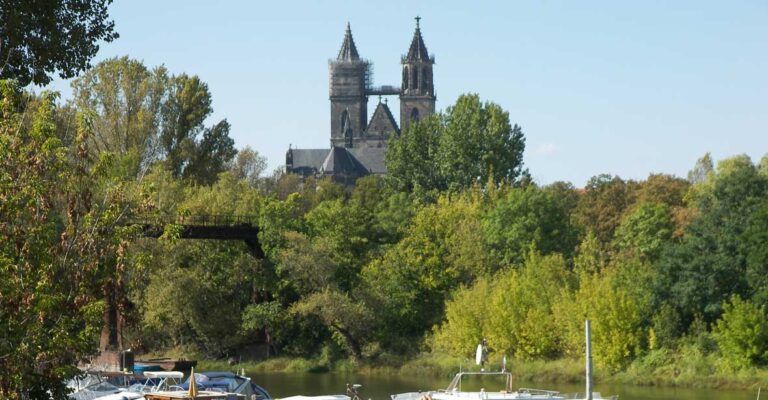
[164,374]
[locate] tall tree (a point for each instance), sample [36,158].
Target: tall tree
[38,38]
[54,237]
[126,99]
[470,144]
[183,114]
[478,143]
[212,154]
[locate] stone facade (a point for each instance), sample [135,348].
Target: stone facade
[357,145]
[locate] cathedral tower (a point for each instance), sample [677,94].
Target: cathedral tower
[417,95]
[349,77]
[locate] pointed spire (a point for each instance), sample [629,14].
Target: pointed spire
[417,51]
[348,50]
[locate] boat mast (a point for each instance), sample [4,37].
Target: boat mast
[589,360]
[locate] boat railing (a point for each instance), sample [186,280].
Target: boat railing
[538,391]
[456,382]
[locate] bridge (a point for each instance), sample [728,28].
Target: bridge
[207,226]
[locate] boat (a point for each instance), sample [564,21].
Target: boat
[228,382]
[92,386]
[158,381]
[454,392]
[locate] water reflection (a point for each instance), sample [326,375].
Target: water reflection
[380,387]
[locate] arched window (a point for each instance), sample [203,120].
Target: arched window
[415,114]
[344,122]
[424,80]
[405,78]
[415,80]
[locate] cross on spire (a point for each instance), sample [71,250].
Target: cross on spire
[417,21]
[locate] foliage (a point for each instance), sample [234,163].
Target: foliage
[472,143]
[524,217]
[742,334]
[40,38]
[645,230]
[603,203]
[57,256]
[153,116]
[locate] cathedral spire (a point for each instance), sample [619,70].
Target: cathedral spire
[417,51]
[348,50]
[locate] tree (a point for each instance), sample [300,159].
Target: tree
[528,216]
[472,143]
[742,334]
[709,265]
[38,38]
[55,250]
[248,165]
[183,115]
[212,154]
[478,143]
[126,100]
[645,230]
[603,203]
[411,158]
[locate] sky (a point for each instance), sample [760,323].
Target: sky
[618,87]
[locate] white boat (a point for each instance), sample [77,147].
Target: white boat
[454,392]
[92,386]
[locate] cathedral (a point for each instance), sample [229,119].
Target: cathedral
[358,145]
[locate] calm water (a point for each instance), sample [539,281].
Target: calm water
[380,387]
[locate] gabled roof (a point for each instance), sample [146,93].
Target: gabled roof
[340,161]
[348,50]
[417,51]
[372,158]
[382,121]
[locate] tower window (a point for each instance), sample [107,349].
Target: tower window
[415,114]
[415,80]
[344,122]
[405,78]
[424,80]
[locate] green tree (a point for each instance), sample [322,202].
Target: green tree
[709,265]
[53,266]
[411,158]
[479,143]
[472,143]
[40,38]
[126,99]
[213,153]
[742,334]
[645,230]
[248,165]
[187,106]
[348,319]
[528,216]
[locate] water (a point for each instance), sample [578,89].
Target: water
[380,387]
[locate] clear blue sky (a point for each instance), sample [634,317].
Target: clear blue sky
[627,88]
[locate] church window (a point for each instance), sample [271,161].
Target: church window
[415,81]
[415,114]
[424,80]
[405,78]
[344,122]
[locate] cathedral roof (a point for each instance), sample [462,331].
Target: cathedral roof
[340,161]
[417,51]
[348,50]
[382,120]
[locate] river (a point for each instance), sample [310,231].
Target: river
[380,387]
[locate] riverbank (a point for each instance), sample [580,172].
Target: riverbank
[658,368]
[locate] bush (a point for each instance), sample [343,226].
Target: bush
[742,334]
